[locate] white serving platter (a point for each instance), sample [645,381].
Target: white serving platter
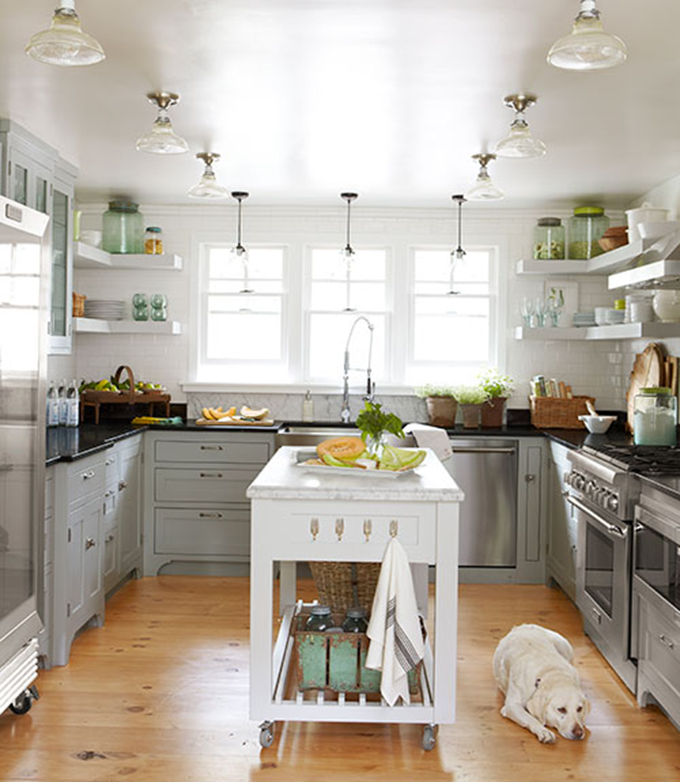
[353,472]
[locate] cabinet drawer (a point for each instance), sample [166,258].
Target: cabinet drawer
[85,479]
[661,647]
[237,451]
[209,532]
[210,484]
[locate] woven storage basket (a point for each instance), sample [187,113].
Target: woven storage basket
[343,585]
[548,412]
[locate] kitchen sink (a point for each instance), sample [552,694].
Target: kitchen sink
[312,435]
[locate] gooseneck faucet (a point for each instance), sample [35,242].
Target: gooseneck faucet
[370,385]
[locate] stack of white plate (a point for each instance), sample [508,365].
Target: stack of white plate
[581,319]
[104,309]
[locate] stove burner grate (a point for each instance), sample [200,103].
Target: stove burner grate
[648,459]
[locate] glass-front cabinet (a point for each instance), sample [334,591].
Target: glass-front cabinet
[62,260]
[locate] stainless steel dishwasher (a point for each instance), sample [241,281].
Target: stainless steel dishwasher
[486,470]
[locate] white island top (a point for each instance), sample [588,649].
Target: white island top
[283,479]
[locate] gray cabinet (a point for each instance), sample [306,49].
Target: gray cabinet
[196,514]
[562,528]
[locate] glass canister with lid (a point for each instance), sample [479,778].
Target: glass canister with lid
[320,618]
[123,228]
[585,228]
[153,240]
[655,417]
[549,239]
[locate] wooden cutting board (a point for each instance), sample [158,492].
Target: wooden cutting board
[648,370]
[233,422]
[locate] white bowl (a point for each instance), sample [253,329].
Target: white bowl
[614,317]
[601,315]
[93,238]
[597,424]
[644,214]
[657,230]
[666,305]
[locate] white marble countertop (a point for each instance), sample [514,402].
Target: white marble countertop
[283,479]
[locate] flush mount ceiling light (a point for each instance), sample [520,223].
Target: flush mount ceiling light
[239,252]
[484,189]
[587,47]
[520,142]
[207,186]
[162,139]
[65,43]
[459,253]
[348,251]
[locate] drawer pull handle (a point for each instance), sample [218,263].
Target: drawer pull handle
[314,528]
[87,475]
[394,528]
[368,527]
[122,485]
[666,641]
[109,462]
[109,539]
[107,494]
[212,448]
[209,515]
[339,528]
[597,616]
[210,475]
[90,543]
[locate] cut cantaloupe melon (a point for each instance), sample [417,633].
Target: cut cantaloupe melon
[257,415]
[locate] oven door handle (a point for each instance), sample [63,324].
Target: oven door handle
[612,529]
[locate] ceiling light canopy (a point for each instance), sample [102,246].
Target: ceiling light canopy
[207,186]
[520,143]
[484,189]
[588,47]
[65,43]
[162,139]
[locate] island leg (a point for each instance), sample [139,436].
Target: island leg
[446,612]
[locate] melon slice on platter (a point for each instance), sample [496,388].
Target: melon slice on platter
[256,415]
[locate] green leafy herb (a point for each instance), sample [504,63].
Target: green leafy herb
[373,422]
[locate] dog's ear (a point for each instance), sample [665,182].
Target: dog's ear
[538,704]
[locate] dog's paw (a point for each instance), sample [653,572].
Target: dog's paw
[545,736]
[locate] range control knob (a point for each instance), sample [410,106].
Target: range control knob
[612,503]
[578,481]
[590,488]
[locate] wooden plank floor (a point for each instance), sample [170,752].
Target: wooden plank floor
[161,693]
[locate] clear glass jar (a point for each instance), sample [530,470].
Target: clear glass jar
[319,619]
[549,236]
[585,228]
[123,228]
[655,417]
[153,240]
[355,621]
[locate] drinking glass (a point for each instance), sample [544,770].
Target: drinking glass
[555,306]
[541,309]
[140,313]
[528,311]
[158,301]
[139,300]
[159,313]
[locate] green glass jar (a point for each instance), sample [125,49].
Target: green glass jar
[355,621]
[319,619]
[655,417]
[549,238]
[123,228]
[585,228]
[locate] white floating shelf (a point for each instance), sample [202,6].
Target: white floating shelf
[95,326]
[87,257]
[659,274]
[531,266]
[601,264]
[594,333]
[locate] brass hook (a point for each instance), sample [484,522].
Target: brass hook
[314,528]
[394,528]
[367,529]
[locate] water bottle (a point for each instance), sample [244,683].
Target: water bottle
[63,403]
[72,404]
[52,406]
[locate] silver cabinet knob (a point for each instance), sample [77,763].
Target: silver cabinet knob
[122,485]
[90,543]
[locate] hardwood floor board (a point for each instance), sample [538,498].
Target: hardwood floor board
[161,693]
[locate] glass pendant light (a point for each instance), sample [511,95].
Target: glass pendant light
[162,139]
[65,43]
[459,253]
[207,186]
[239,252]
[484,189]
[587,47]
[520,142]
[348,251]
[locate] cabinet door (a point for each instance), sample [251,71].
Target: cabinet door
[561,525]
[84,559]
[129,508]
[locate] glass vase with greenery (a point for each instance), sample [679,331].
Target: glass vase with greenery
[375,424]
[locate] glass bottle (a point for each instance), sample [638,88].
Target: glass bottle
[355,621]
[656,417]
[63,403]
[549,237]
[319,618]
[73,404]
[153,240]
[585,228]
[123,228]
[52,406]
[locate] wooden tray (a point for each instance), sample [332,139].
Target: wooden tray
[233,422]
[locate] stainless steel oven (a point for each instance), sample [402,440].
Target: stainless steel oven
[657,555]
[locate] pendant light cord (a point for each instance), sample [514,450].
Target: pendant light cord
[349,206]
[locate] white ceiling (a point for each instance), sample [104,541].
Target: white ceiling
[305,98]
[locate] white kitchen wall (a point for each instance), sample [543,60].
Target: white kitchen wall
[594,368]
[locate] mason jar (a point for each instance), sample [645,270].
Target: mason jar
[355,621]
[585,228]
[319,618]
[549,238]
[655,417]
[123,228]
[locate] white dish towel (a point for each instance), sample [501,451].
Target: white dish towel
[431,437]
[396,641]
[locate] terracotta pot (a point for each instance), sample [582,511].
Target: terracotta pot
[471,415]
[441,411]
[492,413]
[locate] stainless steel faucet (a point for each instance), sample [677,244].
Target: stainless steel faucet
[370,385]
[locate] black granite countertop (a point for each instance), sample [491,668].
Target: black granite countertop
[65,444]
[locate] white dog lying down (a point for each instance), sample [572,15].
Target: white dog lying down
[532,666]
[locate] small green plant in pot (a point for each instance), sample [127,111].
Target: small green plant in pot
[498,388]
[441,404]
[471,399]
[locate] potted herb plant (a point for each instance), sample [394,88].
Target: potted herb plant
[471,399]
[375,425]
[441,404]
[497,388]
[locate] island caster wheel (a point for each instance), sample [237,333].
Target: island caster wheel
[266,734]
[23,703]
[430,737]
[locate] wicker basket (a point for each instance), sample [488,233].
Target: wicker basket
[343,585]
[549,412]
